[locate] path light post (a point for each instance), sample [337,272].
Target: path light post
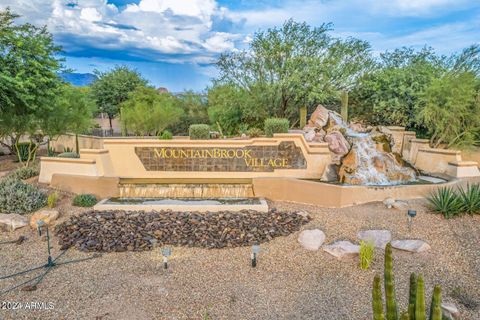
[166,252]
[411,214]
[255,251]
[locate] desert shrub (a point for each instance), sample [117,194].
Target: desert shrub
[84,200]
[446,201]
[367,250]
[465,297]
[254,132]
[470,198]
[19,197]
[2,153]
[69,155]
[276,125]
[67,149]
[52,200]
[199,131]
[166,135]
[24,173]
[24,150]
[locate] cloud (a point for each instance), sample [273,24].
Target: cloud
[166,30]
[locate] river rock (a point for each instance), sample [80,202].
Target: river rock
[338,145]
[411,245]
[450,311]
[342,249]
[46,215]
[114,231]
[380,238]
[400,205]
[12,221]
[311,239]
[319,117]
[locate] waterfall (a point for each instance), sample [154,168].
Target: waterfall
[367,163]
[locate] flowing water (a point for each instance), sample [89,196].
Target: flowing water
[173,190]
[372,165]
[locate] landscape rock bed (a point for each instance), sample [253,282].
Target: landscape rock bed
[118,231]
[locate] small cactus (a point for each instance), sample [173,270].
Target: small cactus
[412,296]
[390,300]
[435,307]
[377,299]
[420,301]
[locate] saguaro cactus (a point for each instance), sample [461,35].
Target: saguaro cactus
[377,299]
[420,301]
[390,300]
[412,297]
[303,116]
[436,306]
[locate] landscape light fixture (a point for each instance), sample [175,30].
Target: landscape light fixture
[255,251]
[166,252]
[31,284]
[411,214]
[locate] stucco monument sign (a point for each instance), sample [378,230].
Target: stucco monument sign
[285,155]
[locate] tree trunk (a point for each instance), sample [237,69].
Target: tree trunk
[110,121]
[76,144]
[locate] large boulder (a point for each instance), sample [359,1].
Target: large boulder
[411,245]
[380,238]
[450,311]
[45,215]
[311,239]
[12,221]
[338,145]
[342,249]
[312,134]
[319,117]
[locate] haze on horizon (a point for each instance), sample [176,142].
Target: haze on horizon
[175,44]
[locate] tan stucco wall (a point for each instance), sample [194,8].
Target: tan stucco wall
[126,164]
[50,166]
[102,187]
[335,196]
[436,160]
[471,155]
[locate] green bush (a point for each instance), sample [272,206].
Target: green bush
[276,125]
[24,149]
[19,197]
[367,250]
[52,199]
[24,173]
[50,152]
[2,153]
[470,198]
[446,201]
[85,200]
[199,131]
[69,155]
[166,135]
[254,132]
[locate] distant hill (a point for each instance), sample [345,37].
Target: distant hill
[78,79]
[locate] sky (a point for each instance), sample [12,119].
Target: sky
[175,43]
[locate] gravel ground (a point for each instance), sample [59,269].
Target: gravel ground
[288,283]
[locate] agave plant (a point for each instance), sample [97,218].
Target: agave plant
[446,201]
[471,198]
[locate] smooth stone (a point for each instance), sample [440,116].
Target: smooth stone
[411,245]
[388,202]
[380,238]
[311,239]
[450,311]
[342,249]
[400,205]
[12,221]
[45,215]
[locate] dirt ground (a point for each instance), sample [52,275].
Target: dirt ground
[288,283]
